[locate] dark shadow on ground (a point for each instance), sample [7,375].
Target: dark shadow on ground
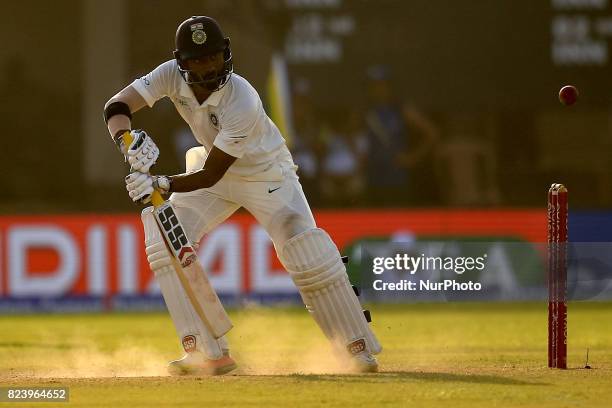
[418,376]
[25,344]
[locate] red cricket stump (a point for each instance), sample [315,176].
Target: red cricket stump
[557,276]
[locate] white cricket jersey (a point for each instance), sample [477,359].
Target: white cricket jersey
[232,118]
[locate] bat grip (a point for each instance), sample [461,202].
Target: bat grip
[156,197]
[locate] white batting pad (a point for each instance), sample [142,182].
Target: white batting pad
[192,332]
[316,268]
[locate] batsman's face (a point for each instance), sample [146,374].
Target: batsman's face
[207,67]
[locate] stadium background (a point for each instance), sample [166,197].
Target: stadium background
[484,74]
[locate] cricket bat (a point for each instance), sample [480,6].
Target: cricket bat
[192,276]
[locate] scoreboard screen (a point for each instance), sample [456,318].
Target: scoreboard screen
[445,54]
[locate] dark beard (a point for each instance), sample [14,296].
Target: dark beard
[210,83]
[211,86]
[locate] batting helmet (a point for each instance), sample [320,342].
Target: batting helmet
[200,36]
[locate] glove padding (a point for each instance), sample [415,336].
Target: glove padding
[139,186]
[142,153]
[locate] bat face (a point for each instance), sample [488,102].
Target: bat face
[175,235]
[198,288]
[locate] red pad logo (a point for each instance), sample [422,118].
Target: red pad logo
[356,347]
[189,343]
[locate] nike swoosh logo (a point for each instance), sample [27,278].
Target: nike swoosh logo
[273,190]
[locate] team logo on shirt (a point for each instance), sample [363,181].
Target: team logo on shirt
[198,35]
[214,120]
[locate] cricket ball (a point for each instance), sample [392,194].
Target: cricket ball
[568,95]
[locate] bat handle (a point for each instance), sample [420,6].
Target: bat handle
[156,197]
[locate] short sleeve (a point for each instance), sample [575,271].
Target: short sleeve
[157,83]
[237,124]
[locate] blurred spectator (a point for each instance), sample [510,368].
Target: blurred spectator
[397,160]
[342,176]
[468,169]
[466,161]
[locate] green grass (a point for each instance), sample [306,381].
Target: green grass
[436,355]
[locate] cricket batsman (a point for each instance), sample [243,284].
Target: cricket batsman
[243,162]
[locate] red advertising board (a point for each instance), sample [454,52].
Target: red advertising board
[103,255]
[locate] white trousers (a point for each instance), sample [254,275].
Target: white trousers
[274,197]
